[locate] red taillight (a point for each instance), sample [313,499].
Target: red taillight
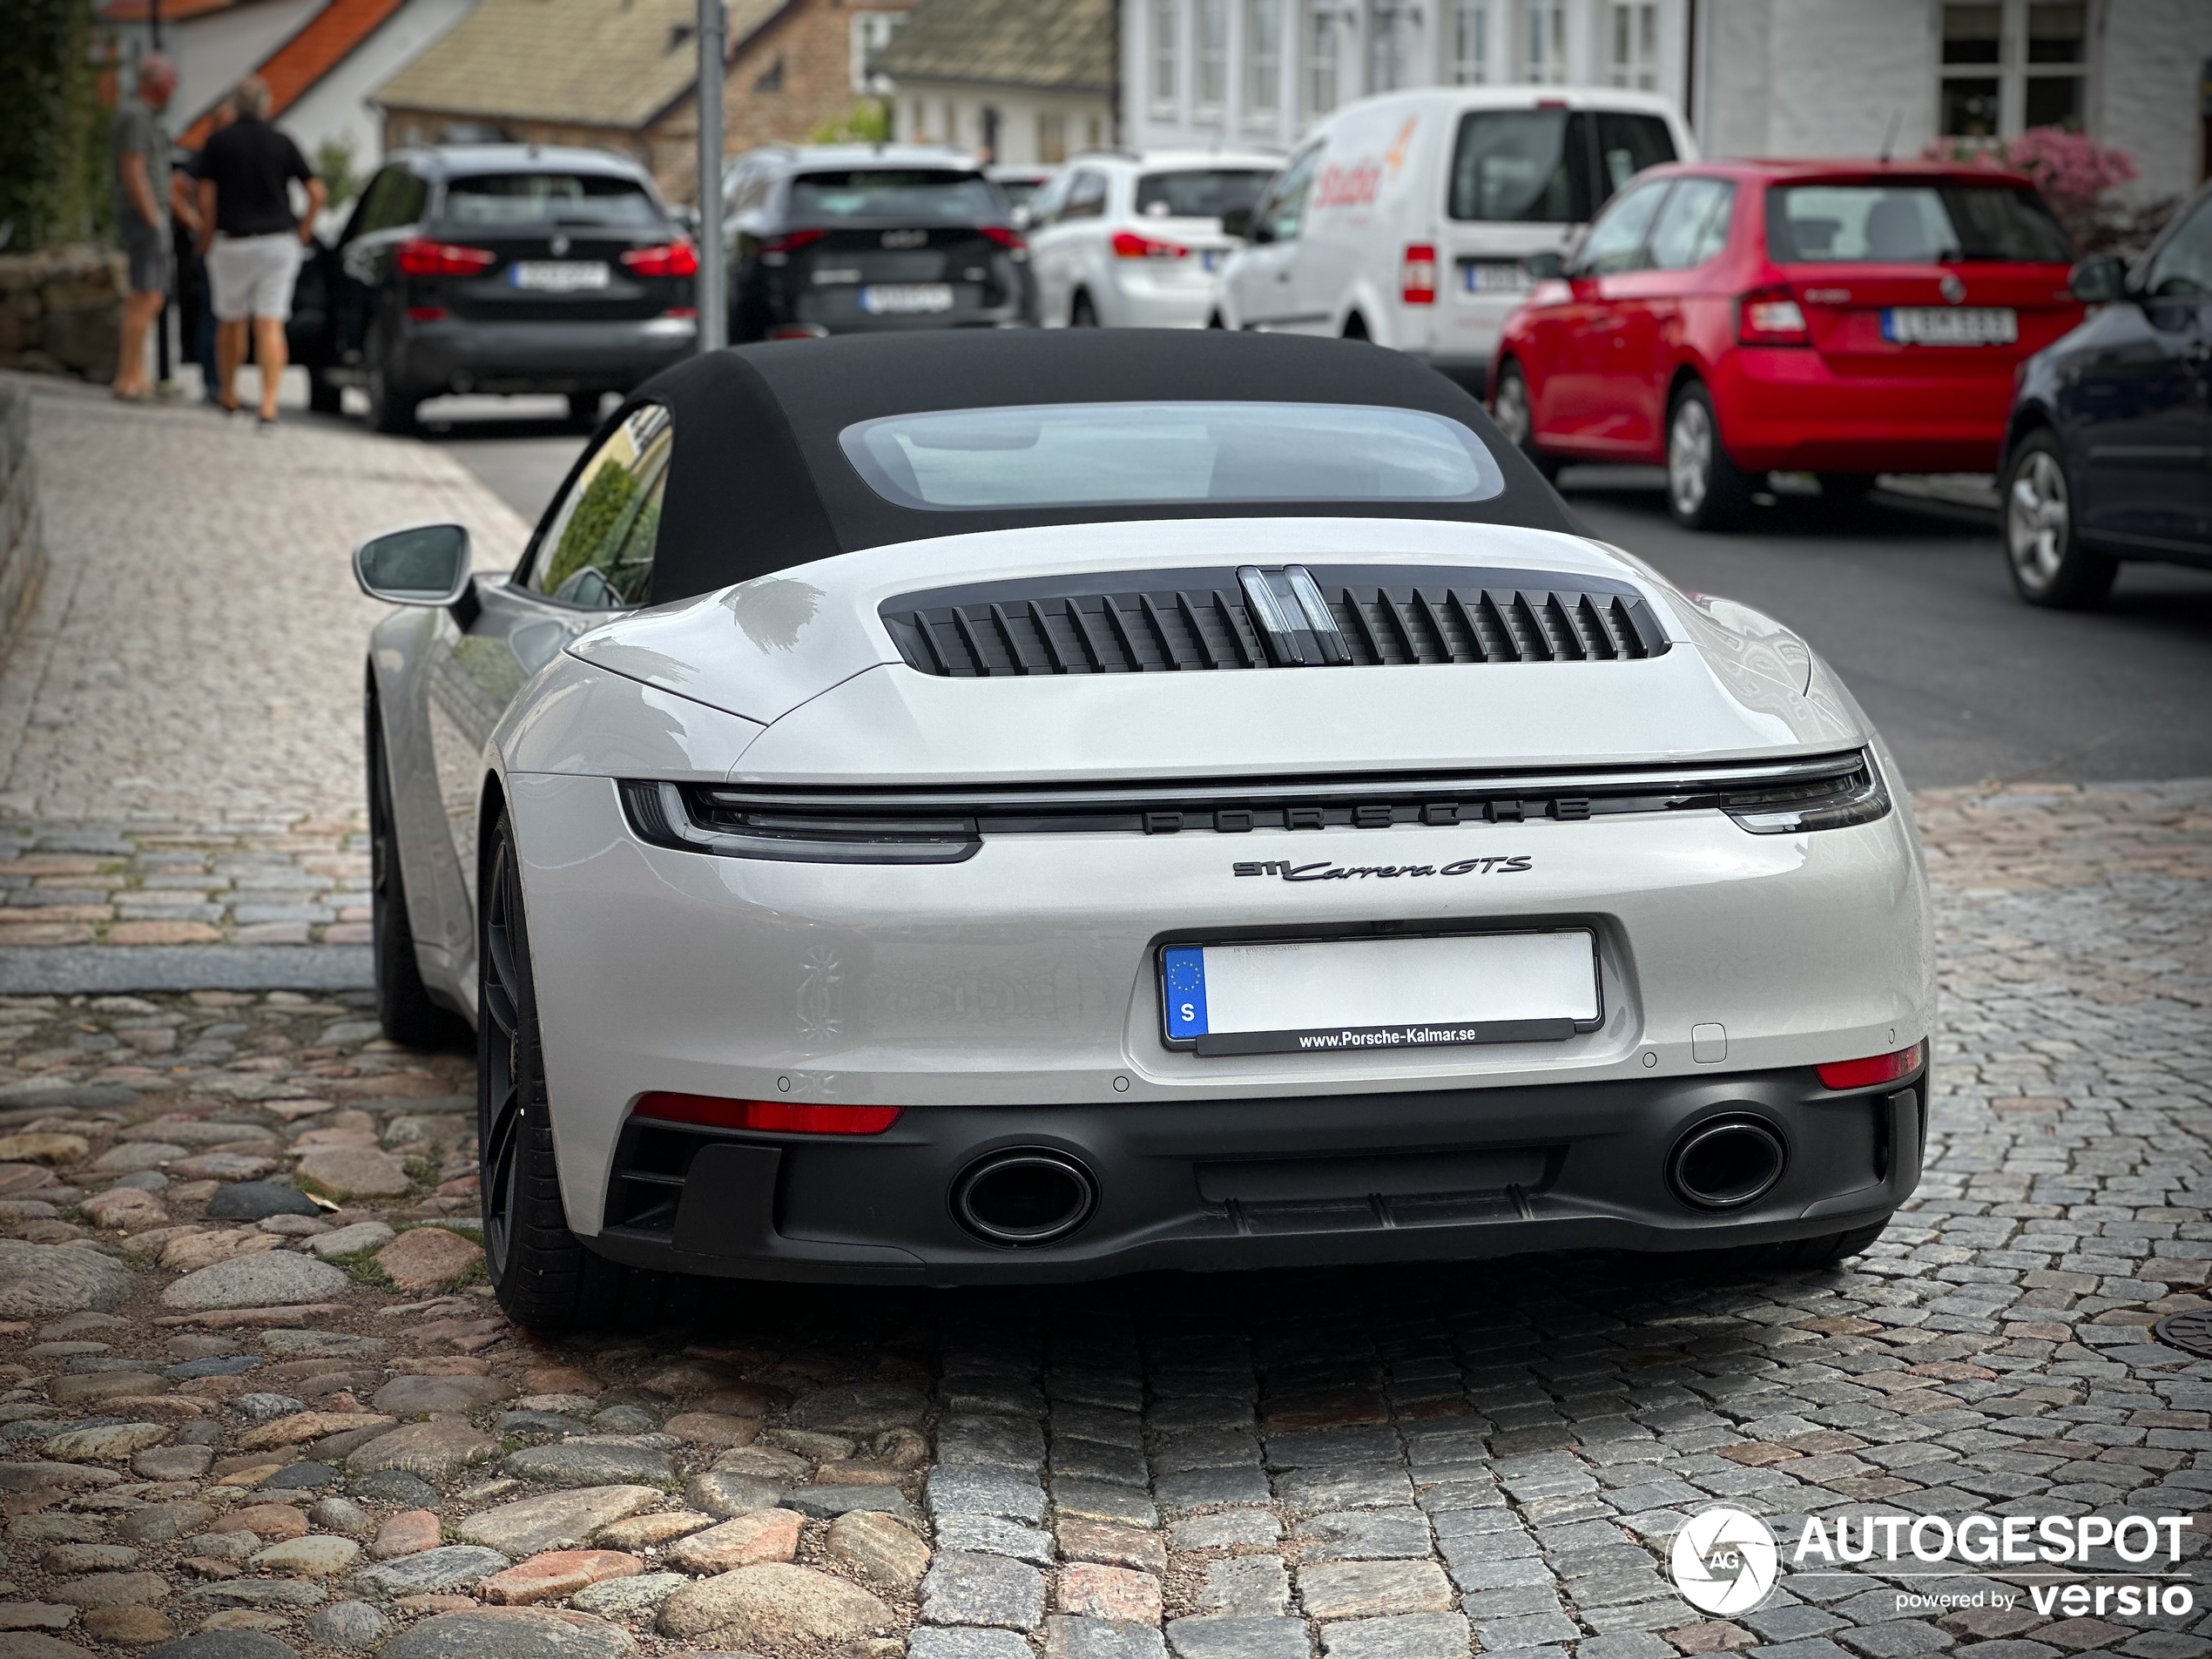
[420,256]
[1004,237]
[1130,245]
[776,1116]
[677,258]
[1873,1071]
[1416,276]
[791,241]
[682,313]
[798,331]
[1770,317]
[426,313]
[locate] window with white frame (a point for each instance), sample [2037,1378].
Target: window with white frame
[1166,25]
[2012,65]
[871,33]
[1263,61]
[1052,137]
[1545,47]
[1213,89]
[1321,60]
[1635,45]
[1468,39]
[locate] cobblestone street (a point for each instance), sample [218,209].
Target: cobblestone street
[252,1383]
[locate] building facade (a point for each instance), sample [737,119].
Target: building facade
[1021,82]
[1781,78]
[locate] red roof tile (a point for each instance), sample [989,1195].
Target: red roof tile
[323,42]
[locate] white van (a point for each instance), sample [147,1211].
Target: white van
[1403,218]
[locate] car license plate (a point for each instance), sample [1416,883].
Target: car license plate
[905,298]
[1950,325]
[1339,996]
[1493,276]
[1209,260]
[559,276]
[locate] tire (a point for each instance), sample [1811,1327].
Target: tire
[1355,327]
[583,411]
[1705,489]
[1081,313]
[1512,408]
[323,395]
[1845,486]
[2049,565]
[403,1004]
[391,411]
[541,1272]
[1213,321]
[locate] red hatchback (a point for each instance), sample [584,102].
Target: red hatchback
[1733,319]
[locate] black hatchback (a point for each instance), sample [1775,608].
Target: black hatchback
[497,268]
[858,239]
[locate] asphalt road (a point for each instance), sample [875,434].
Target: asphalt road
[1907,599]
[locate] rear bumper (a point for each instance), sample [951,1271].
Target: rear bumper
[543,356]
[1785,409]
[1250,1184]
[1141,300]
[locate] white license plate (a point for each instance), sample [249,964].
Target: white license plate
[1490,276]
[1951,325]
[1362,995]
[559,276]
[1209,260]
[905,298]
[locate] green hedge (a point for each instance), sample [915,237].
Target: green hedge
[52,153]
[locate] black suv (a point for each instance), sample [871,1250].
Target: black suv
[497,268]
[853,239]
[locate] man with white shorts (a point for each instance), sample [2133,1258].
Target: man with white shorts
[252,239]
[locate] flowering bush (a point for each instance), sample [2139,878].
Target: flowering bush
[2076,175]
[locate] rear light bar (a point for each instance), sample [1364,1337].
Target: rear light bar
[420,256]
[1792,809]
[1128,245]
[772,1116]
[1873,1071]
[677,258]
[1770,317]
[1416,276]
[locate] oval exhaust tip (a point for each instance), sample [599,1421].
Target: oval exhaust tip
[1024,1197]
[1726,1163]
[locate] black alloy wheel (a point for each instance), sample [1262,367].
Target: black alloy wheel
[543,1274]
[404,1007]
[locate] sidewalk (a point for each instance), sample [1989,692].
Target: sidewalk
[180,752]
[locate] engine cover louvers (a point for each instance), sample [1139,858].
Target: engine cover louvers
[1284,617]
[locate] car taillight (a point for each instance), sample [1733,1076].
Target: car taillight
[420,256]
[1004,237]
[1130,245]
[682,314]
[776,249]
[426,313]
[1873,1071]
[798,331]
[677,258]
[1770,317]
[1416,276]
[775,1116]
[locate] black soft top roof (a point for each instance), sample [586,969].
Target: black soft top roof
[758,483]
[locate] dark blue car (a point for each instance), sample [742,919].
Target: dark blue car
[2109,451]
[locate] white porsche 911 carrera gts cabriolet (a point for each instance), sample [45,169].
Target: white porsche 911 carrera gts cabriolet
[994,807]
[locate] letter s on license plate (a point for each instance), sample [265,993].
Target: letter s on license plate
[1338,995]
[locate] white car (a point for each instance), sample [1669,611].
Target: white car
[1020,807]
[1127,241]
[1404,218]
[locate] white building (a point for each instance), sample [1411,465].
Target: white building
[1023,82]
[1755,77]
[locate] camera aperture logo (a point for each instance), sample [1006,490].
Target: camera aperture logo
[1725,1561]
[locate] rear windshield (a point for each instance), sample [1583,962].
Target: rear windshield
[1915,224]
[1206,194]
[493,200]
[1549,166]
[904,192]
[1080,455]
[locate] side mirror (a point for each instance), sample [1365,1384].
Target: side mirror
[427,564]
[1237,222]
[1542,267]
[2098,281]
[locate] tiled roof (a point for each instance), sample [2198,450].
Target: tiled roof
[596,63]
[1066,46]
[324,41]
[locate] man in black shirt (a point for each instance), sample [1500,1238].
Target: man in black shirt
[252,240]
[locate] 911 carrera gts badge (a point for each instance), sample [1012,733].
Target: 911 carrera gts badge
[1324,870]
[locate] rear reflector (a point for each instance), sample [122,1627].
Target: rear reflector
[776,1116]
[1873,1071]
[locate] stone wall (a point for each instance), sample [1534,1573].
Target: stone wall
[23,540]
[61,311]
